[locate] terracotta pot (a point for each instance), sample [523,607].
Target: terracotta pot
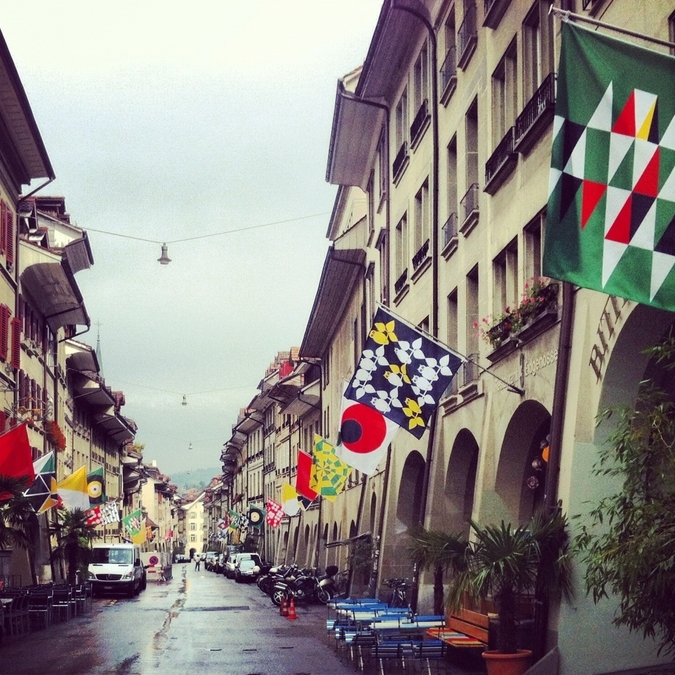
[499,663]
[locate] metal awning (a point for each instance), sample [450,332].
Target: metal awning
[341,270]
[250,422]
[83,362]
[78,253]
[306,399]
[91,392]
[114,426]
[55,294]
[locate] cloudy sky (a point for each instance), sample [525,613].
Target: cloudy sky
[167,121]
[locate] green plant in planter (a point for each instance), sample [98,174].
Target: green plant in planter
[503,563]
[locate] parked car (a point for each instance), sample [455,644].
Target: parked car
[246,569]
[231,564]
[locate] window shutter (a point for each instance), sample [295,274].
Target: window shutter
[4,331]
[16,342]
[9,235]
[22,388]
[3,420]
[3,231]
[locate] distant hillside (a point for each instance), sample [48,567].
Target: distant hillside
[194,478]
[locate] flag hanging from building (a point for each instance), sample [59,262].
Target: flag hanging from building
[42,494]
[73,490]
[303,476]
[275,513]
[134,524]
[103,514]
[96,487]
[402,373]
[256,516]
[289,499]
[610,224]
[93,516]
[233,523]
[330,473]
[16,457]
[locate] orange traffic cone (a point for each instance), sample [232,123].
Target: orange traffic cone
[283,609]
[291,610]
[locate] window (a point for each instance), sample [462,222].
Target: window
[537,48]
[453,325]
[193,537]
[422,217]
[421,78]
[505,268]
[381,169]
[471,142]
[4,331]
[401,246]
[402,120]
[449,67]
[504,94]
[451,184]
[193,526]
[534,232]
[472,311]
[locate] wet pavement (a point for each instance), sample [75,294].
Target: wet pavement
[198,622]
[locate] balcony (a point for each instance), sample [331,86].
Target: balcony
[501,163]
[467,37]
[536,116]
[420,258]
[449,236]
[401,282]
[420,124]
[400,162]
[449,75]
[494,11]
[469,209]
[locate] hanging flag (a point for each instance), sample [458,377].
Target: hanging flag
[256,516]
[330,473]
[110,512]
[289,499]
[16,457]
[303,476]
[402,373]
[365,435]
[610,223]
[275,513]
[96,487]
[134,524]
[94,517]
[42,494]
[73,490]
[233,524]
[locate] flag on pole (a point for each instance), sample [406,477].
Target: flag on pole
[110,512]
[611,210]
[96,486]
[16,457]
[256,516]
[289,499]
[94,517]
[233,524]
[134,524]
[330,473]
[275,513]
[303,476]
[42,494]
[73,490]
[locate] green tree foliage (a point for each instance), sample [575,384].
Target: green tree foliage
[18,523]
[73,536]
[628,545]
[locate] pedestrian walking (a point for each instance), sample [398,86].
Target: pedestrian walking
[198,561]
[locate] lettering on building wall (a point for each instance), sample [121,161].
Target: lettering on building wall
[530,367]
[606,334]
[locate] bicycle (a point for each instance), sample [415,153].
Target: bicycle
[398,595]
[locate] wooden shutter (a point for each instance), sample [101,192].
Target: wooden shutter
[8,225]
[16,342]
[3,231]
[3,420]
[4,331]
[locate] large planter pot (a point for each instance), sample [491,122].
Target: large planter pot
[499,663]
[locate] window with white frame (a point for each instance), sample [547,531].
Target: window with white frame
[421,79]
[534,239]
[505,270]
[505,94]
[401,118]
[401,246]
[422,217]
[537,48]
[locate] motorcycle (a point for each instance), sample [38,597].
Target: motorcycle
[327,587]
[302,588]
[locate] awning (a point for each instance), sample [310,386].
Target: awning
[88,390]
[306,399]
[250,422]
[341,270]
[78,253]
[114,426]
[83,362]
[54,292]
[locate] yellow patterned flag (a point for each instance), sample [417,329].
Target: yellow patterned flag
[329,472]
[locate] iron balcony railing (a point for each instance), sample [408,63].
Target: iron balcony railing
[421,255]
[541,102]
[401,282]
[420,120]
[502,154]
[400,160]
[467,36]
[449,230]
[449,70]
[469,203]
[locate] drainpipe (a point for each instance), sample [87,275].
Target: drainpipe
[433,246]
[540,628]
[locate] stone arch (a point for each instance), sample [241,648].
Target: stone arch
[411,487]
[522,444]
[460,482]
[352,529]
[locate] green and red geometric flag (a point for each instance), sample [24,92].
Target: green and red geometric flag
[330,473]
[611,211]
[42,494]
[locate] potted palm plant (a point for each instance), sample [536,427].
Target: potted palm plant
[74,537]
[504,563]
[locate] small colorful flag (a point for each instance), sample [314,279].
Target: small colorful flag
[94,517]
[233,524]
[256,516]
[330,473]
[96,487]
[289,499]
[42,494]
[610,221]
[275,513]
[16,457]
[303,476]
[110,512]
[73,490]
[134,524]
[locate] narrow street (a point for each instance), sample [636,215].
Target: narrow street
[198,622]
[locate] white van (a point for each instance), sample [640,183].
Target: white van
[116,568]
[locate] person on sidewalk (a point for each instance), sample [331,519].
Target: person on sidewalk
[198,561]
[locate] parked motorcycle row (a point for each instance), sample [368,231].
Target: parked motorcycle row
[302,585]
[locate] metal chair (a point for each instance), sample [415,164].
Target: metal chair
[40,607]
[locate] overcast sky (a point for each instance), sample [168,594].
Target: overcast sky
[170,120]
